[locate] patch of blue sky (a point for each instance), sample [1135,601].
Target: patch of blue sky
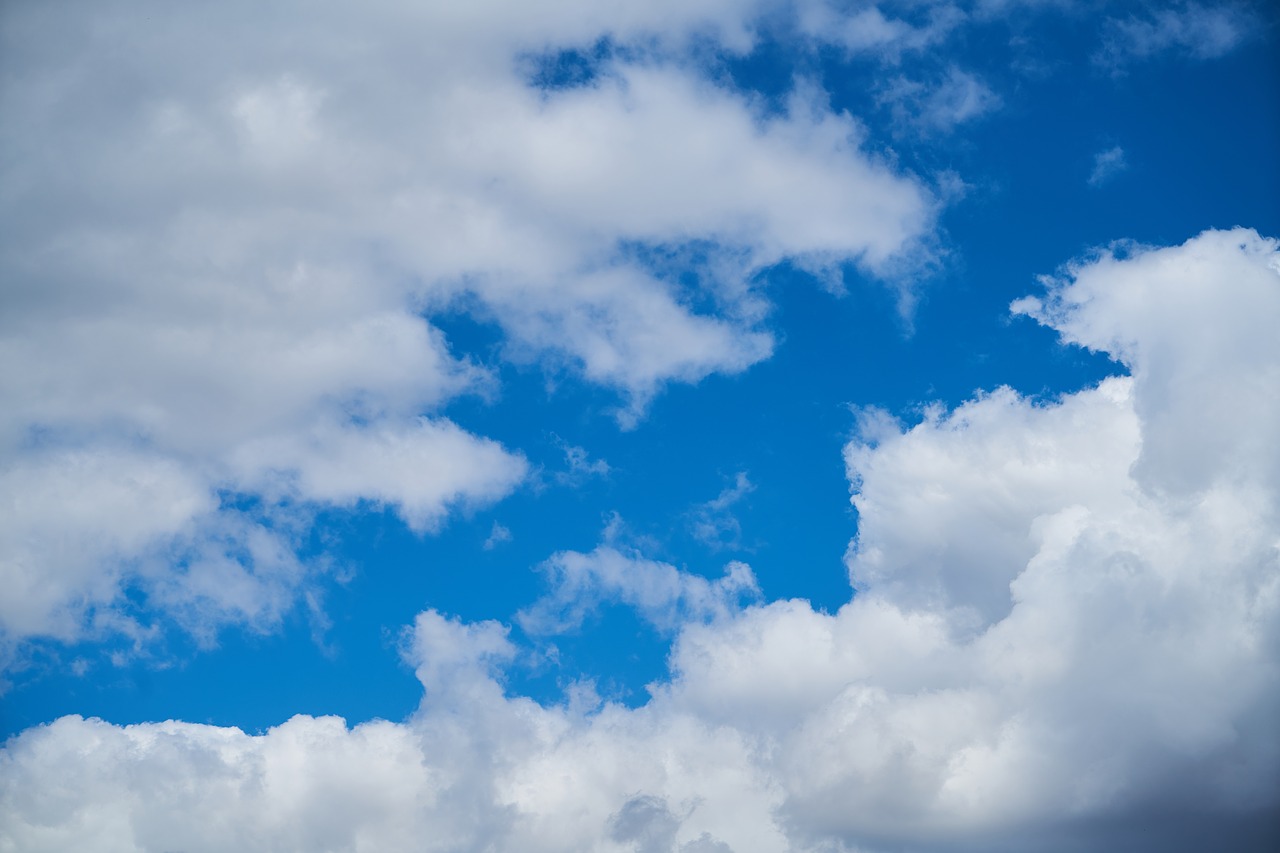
[568,67]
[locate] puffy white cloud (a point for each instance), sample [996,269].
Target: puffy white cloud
[1193,326]
[1094,662]
[421,469]
[67,513]
[990,468]
[226,237]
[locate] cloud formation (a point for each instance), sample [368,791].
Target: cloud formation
[662,594]
[1193,30]
[226,239]
[1106,165]
[713,523]
[938,105]
[1064,637]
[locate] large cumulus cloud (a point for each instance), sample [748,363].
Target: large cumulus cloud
[227,231]
[1066,635]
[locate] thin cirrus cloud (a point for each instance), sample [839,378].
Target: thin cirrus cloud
[221,277]
[1107,165]
[938,105]
[1098,652]
[1195,30]
[713,523]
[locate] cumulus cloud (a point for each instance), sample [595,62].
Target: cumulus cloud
[225,240]
[1066,636]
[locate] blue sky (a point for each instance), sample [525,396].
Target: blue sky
[677,426]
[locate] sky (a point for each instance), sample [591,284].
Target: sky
[664,427]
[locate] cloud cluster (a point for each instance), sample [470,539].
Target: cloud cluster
[1066,636]
[226,238]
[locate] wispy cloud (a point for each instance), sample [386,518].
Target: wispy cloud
[579,466]
[938,105]
[713,523]
[497,536]
[1187,29]
[1106,165]
[664,595]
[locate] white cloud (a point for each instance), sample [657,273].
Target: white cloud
[1106,165]
[663,594]
[497,535]
[580,465]
[68,513]
[421,468]
[866,29]
[1188,29]
[1121,693]
[938,106]
[1193,325]
[714,523]
[990,468]
[225,239]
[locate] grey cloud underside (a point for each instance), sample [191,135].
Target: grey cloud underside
[1066,637]
[227,229]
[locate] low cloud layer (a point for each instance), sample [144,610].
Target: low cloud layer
[1064,637]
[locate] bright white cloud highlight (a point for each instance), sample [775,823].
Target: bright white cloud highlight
[1084,634]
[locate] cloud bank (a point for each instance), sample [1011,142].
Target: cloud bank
[1065,637]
